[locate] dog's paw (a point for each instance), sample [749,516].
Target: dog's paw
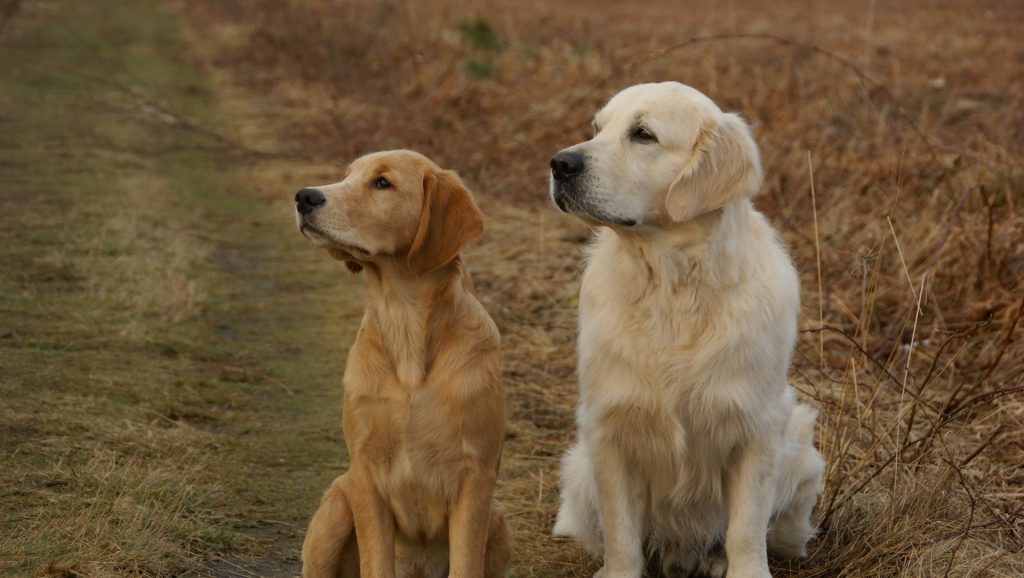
[679,569]
[715,566]
[745,571]
[605,572]
[678,565]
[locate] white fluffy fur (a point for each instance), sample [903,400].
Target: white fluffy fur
[690,436]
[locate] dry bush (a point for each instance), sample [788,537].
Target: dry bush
[891,137]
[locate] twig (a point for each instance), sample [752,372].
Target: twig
[817,254]
[970,516]
[949,414]
[951,403]
[1006,342]
[856,490]
[906,373]
[982,446]
[283,386]
[182,121]
[246,571]
[948,229]
[896,381]
[942,348]
[906,270]
[987,396]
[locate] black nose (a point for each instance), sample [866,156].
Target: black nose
[566,165]
[307,200]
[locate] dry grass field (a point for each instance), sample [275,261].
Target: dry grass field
[892,135]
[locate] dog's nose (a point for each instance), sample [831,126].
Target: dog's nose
[308,199]
[566,165]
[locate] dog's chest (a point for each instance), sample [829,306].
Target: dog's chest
[653,328]
[416,456]
[650,364]
[404,433]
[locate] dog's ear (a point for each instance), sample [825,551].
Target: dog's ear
[350,263]
[449,220]
[724,166]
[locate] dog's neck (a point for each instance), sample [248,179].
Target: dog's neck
[401,306]
[706,250]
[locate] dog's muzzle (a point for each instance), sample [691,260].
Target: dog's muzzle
[566,189]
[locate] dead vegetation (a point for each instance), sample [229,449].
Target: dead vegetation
[891,137]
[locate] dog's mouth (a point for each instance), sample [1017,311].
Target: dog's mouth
[320,236]
[606,219]
[570,204]
[305,228]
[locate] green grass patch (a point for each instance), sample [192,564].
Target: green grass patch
[479,69]
[480,34]
[158,414]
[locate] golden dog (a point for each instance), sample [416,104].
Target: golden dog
[423,413]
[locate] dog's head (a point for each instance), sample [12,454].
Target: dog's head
[661,153]
[393,204]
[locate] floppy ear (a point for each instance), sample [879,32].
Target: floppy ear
[449,220]
[725,166]
[351,264]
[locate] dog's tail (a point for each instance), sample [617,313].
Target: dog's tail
[800,428]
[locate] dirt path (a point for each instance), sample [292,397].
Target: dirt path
[170,350]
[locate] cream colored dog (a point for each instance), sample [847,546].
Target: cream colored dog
[690,436]
[424,413]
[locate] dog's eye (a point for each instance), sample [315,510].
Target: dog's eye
[641,134]
[596,128]
[381,183]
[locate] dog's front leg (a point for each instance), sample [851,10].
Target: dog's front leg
[468,526]
[620,512]
[375,526]
[750,494]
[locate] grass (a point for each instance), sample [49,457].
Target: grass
[170,349]
[158,418]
